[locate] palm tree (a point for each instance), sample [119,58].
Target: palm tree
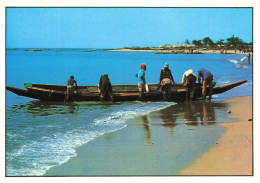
[187,41]
[220,43]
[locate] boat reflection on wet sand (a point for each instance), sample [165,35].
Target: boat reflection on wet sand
[191,114]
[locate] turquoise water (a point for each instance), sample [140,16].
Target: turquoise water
[40,135]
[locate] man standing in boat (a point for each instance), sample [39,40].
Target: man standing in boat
[105,88]
[189,80]
[166,80]
[141,80]
[70,89]
[207,79]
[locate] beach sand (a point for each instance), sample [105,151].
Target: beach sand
[233,155]
[155,145]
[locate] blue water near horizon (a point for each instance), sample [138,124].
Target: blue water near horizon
[40,135]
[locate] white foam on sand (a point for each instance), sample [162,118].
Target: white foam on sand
[35,157]
[129,112]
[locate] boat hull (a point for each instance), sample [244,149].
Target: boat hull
[120,92]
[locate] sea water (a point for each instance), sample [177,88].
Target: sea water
[41,135]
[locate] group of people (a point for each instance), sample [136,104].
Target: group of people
[165,82]
[188,80]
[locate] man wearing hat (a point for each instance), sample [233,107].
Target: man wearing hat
[140,75]
[166,80]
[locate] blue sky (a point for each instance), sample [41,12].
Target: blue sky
[120,27]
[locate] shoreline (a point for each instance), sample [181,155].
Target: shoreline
[138,148]
[166,51]
[156,51]
[233,154]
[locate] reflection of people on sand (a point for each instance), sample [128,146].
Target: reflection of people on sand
[195,111]
[208,113]
[190,114]
[145,123]
[168,119]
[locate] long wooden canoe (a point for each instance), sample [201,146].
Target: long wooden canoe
[48,92]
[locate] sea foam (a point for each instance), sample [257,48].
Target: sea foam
[36,157]
[129,112]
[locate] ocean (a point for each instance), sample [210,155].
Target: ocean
[41,135]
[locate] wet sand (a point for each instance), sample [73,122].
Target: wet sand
[167,141]
[233,154]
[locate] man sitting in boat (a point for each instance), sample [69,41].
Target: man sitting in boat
[141,80]
[70,89]
[166,80]
[207,79]
[189,80]
[105,88]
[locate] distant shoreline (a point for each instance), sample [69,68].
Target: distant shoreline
[154,50]
[185,51]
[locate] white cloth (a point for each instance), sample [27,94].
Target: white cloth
[186,73]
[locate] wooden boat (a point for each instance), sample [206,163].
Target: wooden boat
[48,92]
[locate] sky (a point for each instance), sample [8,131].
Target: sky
[122,27]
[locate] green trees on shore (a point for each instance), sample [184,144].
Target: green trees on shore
[233,42]
[197,43]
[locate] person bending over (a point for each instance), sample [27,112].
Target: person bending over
[189,80]
[207,79]
[105,88]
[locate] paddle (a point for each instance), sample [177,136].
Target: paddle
[243,59]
